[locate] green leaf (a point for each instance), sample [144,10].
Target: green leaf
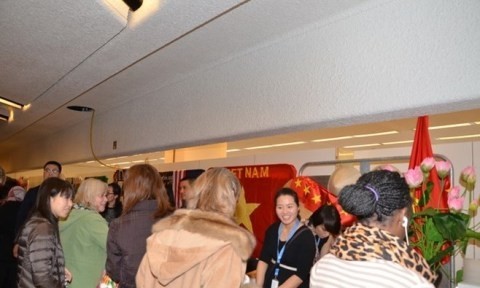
[431,231]
[452,226]
[426,194]
[440,255]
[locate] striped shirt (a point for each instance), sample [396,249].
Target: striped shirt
[332,272]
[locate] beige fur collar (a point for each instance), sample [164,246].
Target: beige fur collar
[211,225]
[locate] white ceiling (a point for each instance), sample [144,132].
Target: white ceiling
[194,66]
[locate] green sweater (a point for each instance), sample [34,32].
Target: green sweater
[84,239]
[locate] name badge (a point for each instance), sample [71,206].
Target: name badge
[274,283]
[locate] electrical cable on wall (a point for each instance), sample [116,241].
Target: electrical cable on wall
[91,143]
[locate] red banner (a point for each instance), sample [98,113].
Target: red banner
[421,149]
[312,195]
[256,207]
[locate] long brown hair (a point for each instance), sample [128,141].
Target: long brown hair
[143,182]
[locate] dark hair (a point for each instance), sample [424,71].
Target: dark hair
[49,188]
[117,191]
[9,184]
[189,179]
[328,216]
[377,193]
[59,166]
[288,192]
[143,182]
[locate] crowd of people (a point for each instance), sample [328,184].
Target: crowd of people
[58,236]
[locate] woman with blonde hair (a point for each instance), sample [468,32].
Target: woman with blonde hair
[145,201]
[201,247]
[84,234]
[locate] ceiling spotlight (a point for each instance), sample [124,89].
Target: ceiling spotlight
[133,4]
[80,108]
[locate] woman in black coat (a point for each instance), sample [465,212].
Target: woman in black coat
[40,257]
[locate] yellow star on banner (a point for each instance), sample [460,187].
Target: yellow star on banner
[306,190]
[316,198]
[298,183]
[243,211]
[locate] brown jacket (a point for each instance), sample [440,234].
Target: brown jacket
[194,248]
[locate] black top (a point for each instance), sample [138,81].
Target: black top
[111,213]
[26,208]
[299,253]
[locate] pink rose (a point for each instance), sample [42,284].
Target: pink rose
[443,168]
[468,178]
[427,164]
[455,202]
[414,177]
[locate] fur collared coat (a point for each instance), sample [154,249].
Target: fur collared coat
[194,248]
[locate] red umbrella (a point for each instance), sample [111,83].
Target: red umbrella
[421,149]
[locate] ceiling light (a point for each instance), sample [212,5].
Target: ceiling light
[375,134]
[232,150]
[11,103]
[478,123]
[275,145]
[120,163]
[459,137]
[3,118]
[332,139]
[449,126]
[363,145]
[133,4]
[397,142]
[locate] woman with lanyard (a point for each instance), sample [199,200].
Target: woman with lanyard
[289,247]
[326,224]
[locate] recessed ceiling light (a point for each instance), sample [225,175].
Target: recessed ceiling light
[449,126]
[232,150]
[276,145]
[11,103]
[397,142]
[120,163]
[362,145]
[375,134]
[332,139]
[459,137]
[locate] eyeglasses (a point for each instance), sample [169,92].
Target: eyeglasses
[52,171]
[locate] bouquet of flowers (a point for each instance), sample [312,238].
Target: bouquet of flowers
[439,234]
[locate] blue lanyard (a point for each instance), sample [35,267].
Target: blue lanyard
[280,253]
[317,241]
